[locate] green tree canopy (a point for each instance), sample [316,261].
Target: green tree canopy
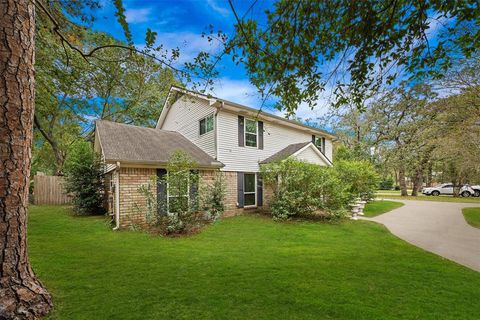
[304,47]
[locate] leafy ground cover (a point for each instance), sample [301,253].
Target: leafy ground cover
[247,267]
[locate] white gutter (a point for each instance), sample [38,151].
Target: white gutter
[117,197]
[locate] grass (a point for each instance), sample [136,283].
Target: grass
[472,216]
[421,197]
[246,267]
[377,207]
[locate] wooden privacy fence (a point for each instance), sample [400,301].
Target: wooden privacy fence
[49,190]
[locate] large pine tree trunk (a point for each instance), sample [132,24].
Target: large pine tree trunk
[22,296]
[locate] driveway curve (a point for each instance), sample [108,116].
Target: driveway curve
[438,227]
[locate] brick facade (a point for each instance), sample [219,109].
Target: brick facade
[133,203]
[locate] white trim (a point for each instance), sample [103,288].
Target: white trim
[117,197]
[255,190]
[315,149]
[167,105]
[245,133]
[205,118]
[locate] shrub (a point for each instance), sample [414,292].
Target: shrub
[359,177]
[302,188]
[386,184]
[183,214]
[212,197]
[84,179]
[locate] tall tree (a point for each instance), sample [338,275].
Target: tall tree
[22,296]
[300,48]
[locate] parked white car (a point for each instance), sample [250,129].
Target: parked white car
[470,191]
[447,189]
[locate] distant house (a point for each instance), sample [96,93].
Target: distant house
[219,135]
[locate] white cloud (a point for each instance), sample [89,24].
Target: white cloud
[217,8]
[243,92]
[238,91]
[138,15]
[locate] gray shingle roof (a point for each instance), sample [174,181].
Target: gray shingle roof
[285,153]
[127,143]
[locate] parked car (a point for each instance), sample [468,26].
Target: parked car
[447,189]
[470,191]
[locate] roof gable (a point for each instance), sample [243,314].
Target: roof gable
[295,150]
[237,108]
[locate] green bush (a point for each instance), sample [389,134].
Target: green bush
[359,177]
[184,213]
[84,179]
[302,188]
[212,197]
[386,184]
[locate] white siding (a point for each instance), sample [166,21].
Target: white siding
[329,149]
[275,136]
[309,155]
[184,116]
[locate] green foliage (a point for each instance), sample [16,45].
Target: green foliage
[185,211]
[302,189]
[289,49]
[359,177]
[149,192]
[212,196]
[84,179]
[386,184]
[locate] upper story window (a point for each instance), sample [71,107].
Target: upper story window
[320,143]
[206,124]
[251,133]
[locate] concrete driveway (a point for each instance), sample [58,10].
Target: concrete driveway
[438,227]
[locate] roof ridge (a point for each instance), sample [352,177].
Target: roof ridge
[135,126]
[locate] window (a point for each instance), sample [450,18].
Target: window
[206,124]
[250,133]
[178,195]
[250,189]
[320,143]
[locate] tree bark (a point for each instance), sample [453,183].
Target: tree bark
[22,296]
[401,181]
[417,182]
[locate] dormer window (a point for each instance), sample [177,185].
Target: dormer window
[206,124]
[251,133]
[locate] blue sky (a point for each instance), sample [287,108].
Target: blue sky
[180,24]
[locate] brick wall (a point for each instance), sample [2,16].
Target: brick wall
[132,203]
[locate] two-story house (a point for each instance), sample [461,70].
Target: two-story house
[217,134]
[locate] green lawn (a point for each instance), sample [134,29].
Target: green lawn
[246,267]
[396,195]
[377,207]
[472,215]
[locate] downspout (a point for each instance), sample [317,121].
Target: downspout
[216,129]
[117,197]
